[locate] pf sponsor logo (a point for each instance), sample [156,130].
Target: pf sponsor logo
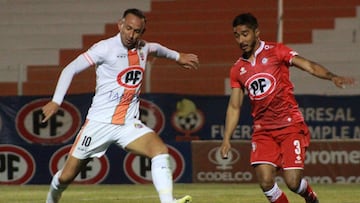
[260,85]
[17,166]
[94,172]
[138,168]
[131,77]
[60,128]
[152,116]
[215,157]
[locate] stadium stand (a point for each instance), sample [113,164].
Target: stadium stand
[41,37]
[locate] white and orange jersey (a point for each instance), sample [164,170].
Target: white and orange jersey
[119,76]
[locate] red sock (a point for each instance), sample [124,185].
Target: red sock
[282,199]
[308,194]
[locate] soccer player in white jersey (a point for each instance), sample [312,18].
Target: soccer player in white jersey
[114,113]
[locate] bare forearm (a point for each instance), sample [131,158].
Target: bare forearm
[232,119]
[321,72]
[339,81]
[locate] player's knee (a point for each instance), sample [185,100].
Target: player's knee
[159,147]
[156,149]
[293,184]
[162,149]
[266,184]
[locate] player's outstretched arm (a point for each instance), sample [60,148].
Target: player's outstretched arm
[188,61]
[321,72]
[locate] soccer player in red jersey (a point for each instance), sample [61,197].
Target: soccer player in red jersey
[280,136]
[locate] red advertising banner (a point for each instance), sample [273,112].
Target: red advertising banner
[333,162]
[326,162]
[209,166]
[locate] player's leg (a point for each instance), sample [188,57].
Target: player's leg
[265,174]
[307,192]
[293,149]
[91,141]
[149,144]
[265,157]
[296,183]
[63,178]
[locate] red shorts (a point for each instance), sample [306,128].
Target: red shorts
[284,147]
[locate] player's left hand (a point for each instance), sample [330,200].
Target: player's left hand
[188,61]
[342,82]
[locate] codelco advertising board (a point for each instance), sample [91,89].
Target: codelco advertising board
[325,162]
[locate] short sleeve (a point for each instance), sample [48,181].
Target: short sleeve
[285,53]
[234,82]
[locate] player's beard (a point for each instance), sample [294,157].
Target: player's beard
[130,43]
[250,50]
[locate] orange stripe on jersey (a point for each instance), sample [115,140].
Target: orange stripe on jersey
[127,97]
[78,137]
[123,106]
[133,58]
[89,59]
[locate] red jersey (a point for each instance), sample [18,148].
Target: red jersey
[267,81]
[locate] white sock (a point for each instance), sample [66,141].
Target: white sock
[274,193]
[302,187]
[55,190]
[162,177]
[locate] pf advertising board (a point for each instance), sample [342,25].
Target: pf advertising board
[326,162]
[31,151]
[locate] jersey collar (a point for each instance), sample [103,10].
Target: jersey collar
[261,47]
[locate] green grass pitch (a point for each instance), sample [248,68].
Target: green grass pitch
[201,193]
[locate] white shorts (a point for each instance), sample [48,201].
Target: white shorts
[94,138]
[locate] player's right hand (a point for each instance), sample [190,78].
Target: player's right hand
[224,149]
[48,110]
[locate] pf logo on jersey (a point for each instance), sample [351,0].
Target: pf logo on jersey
[131,77]
[260,85]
